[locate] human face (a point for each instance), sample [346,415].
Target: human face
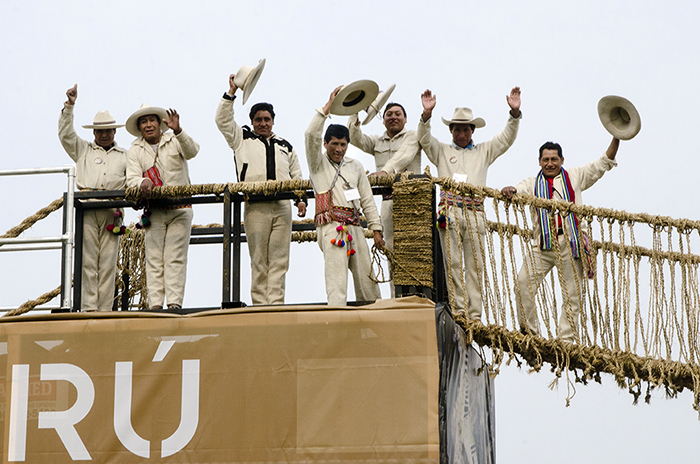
[462,134]
[262,123]
[149,125]
[394,120]
[551,163]
[336,148]
[104,137]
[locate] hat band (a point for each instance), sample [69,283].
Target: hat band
[103,123]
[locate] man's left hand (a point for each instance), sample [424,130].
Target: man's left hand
[514,102]
[301,209]
[173,121]
[379,240]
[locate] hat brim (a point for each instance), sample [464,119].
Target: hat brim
[132,123]
[354,97]
[103,126]
[252,80]
[477,122]
[378,103]
[619,117]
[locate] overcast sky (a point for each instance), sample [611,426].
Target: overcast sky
[565,56]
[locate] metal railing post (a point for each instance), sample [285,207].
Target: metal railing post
[236,284]
[226,273]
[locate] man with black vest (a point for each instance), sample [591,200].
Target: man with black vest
[259,156]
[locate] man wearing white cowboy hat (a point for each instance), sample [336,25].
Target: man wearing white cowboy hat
[462,220]
[383,148]
[556,183]
[100,165]
[260,155]
[159,158]
[342,190]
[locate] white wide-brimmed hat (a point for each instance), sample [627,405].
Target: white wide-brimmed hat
[132,125]
[619,117]
[247,77]
[378,103]
[103,120]
[354,97]
[464,116]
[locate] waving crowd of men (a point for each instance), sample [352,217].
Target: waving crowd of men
[161,150]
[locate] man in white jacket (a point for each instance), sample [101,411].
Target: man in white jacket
[342,191]
[156,158]
[100,165]
[260,155]
[556,183]
[462,221]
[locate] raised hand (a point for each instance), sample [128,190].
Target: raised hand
[232,85]
[173,121]
[428,100]
[514,101]
[327,106]
[72,94]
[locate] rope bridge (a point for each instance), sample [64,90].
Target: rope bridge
[639,317]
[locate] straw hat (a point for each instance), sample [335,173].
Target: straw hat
[464,116]
[619,117]
[354,97]
[247,77]
[103,120]
[146,109]
[378,103]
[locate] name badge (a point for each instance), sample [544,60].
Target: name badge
[352,194]
[98,160]
[459,177]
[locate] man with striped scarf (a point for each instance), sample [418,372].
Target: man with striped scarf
[556,183]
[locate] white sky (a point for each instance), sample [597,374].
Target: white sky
[565,56]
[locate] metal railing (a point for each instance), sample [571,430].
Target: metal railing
[64,242]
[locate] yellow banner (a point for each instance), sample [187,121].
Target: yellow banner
[292,384]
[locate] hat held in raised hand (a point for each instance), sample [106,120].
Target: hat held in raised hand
[619,117]
[103,120]
[464,116]
[354,97]
[378,103]
[247,77]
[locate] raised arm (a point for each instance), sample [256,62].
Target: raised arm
[513,100]
[232,132]
[430,144]
[612,149]
[189,147]
[313,137]
[72,144]
[364,142]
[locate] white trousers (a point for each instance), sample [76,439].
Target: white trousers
[529,281]
[167,241]
[337,262]
[466,235]
[100,249]
[268,229]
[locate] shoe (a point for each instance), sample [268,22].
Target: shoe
[175,307]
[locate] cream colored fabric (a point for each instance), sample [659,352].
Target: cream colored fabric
[167,241]
[173,153]
[268,229]
[250,150]
[384,148]
[582,178]
[465,234]
[100,250]
[102,170]
[337,262]
[95,167]
[335,258]
[474,162]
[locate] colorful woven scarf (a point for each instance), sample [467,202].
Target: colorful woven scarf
[542,190]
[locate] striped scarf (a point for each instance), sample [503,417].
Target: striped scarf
[542,190]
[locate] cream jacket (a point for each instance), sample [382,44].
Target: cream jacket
[257,159]
[173,153]
[322,171]
[95,167]
[384,148]
[582,178]
[475,161]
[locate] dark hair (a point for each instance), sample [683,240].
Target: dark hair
[262,107]
[393,104]
[337,131]
[453,124]
[551,146]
